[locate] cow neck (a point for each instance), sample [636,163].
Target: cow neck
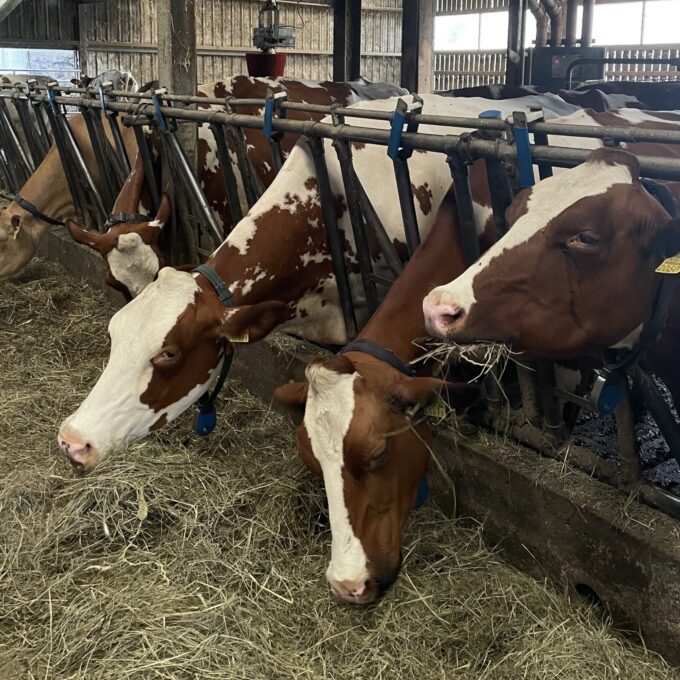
[399,320]
[48,191]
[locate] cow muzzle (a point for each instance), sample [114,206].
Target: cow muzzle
[80,453]
[442,318]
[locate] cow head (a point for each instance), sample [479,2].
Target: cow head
[166,346]
[20,234]
[130,249]
[574,274]
[357,433]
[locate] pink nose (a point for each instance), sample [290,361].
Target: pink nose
[441,319]
[79,452]
[349,591]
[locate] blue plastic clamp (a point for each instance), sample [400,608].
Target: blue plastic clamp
[205,421]
[524,161]
[423,493]
[398,121]
[162,123]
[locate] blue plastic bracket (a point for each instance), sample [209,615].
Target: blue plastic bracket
[525,162]
[403,116]
[155,98]
[51,98]
[205,421]
[271,103]
[423,493]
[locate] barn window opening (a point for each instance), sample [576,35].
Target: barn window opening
[645,22]
[62,65]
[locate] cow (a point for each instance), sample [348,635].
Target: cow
[575,275]
[120,80]
[47,190]
[168,343]
[364,431]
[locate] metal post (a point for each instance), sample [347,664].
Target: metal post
[514,74]
[147,163]
[343,150]
[629,472]
[334,235]
[466,213]
[230,186]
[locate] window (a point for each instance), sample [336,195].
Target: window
[459,32]
[62,65]
[493,32]
[661,19]
[645,22]
[615,24]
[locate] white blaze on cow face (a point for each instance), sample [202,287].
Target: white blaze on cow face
[547,200]
[113,413]
[133,263]
[329,412]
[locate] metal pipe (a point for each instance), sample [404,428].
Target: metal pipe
[228,176]
[542,22]
[335,245]
[572,21]
[587,25]
[350,180]
[554,11]
[671,61]
[408,210]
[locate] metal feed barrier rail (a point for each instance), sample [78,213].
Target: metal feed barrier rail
[538,418]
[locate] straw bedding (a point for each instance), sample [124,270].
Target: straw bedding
[191,558]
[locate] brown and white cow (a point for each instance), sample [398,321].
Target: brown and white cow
[358,431]
[576,272]
[166,344]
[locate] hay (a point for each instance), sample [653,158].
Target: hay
[204,558]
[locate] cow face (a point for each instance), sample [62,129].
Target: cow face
[574,274]
[166,347]
[130,249]
[19,238]
[357,434]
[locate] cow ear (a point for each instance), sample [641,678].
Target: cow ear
[664,241]
[292,394]
[164,211]
[251,323]
[82,236]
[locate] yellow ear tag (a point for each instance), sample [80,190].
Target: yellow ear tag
[239,338]
[437,409]
[670,265]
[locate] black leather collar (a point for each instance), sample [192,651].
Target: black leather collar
[29,207]
[381,353]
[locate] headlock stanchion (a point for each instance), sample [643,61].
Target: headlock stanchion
[399,155]
[30,129]
[182,169]
[86,198]
[333,233]
[274,138]
[545,417]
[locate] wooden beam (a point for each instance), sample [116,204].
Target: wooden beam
[346,40]
[7,7]
[177,71]
[416,45]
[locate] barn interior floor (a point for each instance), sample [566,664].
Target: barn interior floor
[190,557]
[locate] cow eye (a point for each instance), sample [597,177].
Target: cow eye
[168,356]
[585,241]
[377,457]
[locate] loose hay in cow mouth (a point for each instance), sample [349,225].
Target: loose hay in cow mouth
[185,557]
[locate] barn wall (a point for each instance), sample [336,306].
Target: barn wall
[122,34]
[42,23]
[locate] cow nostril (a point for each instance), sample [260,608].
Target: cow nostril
[449,314]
